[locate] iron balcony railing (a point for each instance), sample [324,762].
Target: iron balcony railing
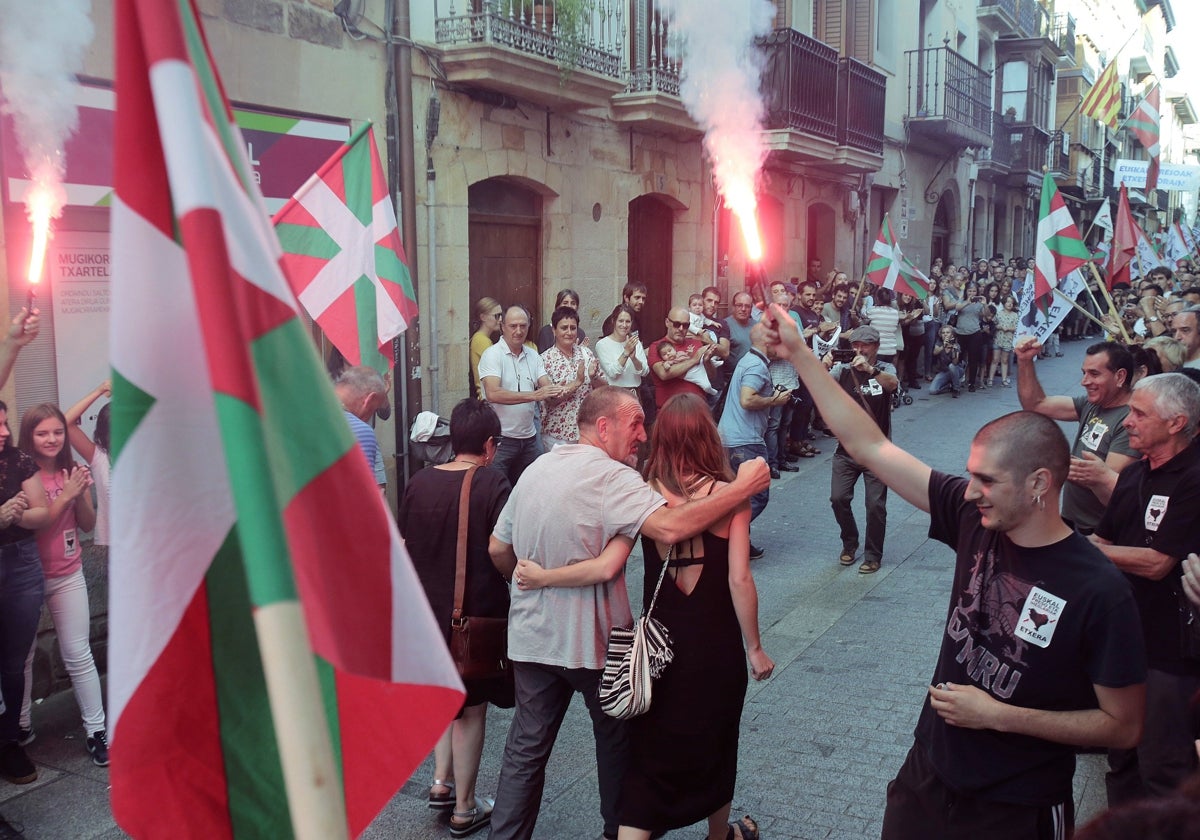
[596,43]
[1032,20]
[944,85]
[860,106]
[655,51]
[1058,158]
[1009,7]
[1029,147]
[1000,153]
[1064,33]
[800,83]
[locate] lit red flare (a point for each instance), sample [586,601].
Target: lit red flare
[740,198]
[39,206]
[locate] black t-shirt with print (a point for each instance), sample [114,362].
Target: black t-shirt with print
[1034,627]
[867,393]
[15,468]
[1158,509]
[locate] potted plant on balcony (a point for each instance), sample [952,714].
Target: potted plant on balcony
[568,20]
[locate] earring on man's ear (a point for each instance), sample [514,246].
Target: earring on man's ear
[1039,501]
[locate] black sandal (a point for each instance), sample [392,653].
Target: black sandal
[744,829]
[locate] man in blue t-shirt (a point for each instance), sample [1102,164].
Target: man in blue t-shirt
[361,391]
[1041,651]
[743,424]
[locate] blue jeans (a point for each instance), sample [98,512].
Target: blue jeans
[22,588]
[779,421]
[513,455]
[748,452]
[948,380]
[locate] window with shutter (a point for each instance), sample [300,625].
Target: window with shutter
[829,23]
[847,26]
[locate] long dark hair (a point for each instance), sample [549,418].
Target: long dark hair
[685,445]
[32,419]
[102,428]
[610,323]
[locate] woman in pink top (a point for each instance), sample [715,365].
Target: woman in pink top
[44,438]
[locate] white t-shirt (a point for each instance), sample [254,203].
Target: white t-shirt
[100,470]
[566,507]
[516,372]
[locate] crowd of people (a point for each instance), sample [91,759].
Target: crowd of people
[46,503]
[1075,581]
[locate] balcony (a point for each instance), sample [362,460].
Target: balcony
[799,86]
[527,53]
[651,101]
[1028,148]
[1063,35]
[1058,154]
[994,162]
[949,99]
[860,106]
[999,15]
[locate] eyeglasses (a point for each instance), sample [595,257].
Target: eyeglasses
[683,325]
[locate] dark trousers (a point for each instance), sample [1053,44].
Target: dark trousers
[844,476]
[543,694]
[778,422]
[740,454]
[921,807]
[932,328]
[973,347]
[22,588]
[913,345]
[802,410]
[513,455]
[1167,753]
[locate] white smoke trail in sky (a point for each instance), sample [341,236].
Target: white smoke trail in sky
[722,70]
[42,45]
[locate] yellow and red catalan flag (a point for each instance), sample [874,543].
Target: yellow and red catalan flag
[1103,101]
[237,486]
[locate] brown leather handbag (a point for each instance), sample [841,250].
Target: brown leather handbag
[478,645]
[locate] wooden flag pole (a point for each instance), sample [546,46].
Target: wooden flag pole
[302,731]
[1112,306]
[1082,311]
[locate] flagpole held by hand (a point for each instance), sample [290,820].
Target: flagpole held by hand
[1112,306]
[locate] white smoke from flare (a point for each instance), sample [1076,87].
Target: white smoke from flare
[42,45]
[722,70]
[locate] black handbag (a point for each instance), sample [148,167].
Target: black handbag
[478,645]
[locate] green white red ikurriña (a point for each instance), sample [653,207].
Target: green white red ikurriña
[237,486]
[1059,248]
[343,257]
[890,269]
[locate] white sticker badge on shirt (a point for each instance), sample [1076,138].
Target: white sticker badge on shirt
[1039,617]
[1094,434]
[1156,509]
[70,543]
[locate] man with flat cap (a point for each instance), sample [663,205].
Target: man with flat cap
[871,383]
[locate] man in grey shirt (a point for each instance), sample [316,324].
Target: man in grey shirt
[568,506]
[1101,448]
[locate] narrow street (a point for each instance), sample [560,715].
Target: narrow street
[820,740]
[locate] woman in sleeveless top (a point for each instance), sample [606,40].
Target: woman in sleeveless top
[683,765]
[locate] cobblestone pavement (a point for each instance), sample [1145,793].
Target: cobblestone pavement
[820,740]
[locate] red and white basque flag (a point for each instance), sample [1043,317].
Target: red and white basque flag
[238,491]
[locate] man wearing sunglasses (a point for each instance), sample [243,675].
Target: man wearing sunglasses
[689,351]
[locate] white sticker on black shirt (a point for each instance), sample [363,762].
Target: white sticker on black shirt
[1156,509]
[872,388]
[1039,617]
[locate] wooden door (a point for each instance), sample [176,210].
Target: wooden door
[504,263]
[651,244]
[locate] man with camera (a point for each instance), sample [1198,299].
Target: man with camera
[743,424]
[871,383]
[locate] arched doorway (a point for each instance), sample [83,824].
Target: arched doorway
[943,228]
[651,246]
[505,240]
